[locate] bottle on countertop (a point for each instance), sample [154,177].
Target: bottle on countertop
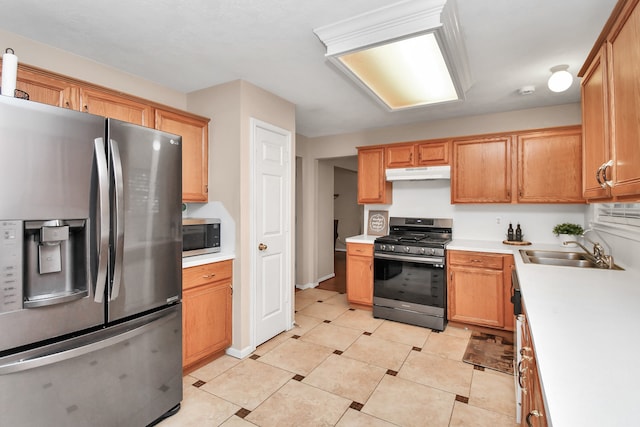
[510,233]
[518,233]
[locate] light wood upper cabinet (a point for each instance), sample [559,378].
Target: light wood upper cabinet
[195,151]
[360,274]
[372,184]
[481,170]
[433,153]
[115,107]
[419,153]
[610,105]
[624,92]
[61,91]
[47,90]
[596,148]
[549,166]
[400,156]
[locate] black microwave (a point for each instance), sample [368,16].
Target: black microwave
[200,236]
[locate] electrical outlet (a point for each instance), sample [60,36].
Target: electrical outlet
[498,220]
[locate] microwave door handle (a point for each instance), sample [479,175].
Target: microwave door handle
[103,219]
[116,163]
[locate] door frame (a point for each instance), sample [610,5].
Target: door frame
[254,124]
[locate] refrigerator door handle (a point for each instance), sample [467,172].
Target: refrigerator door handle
[119,220]
[103,200]
[102,339]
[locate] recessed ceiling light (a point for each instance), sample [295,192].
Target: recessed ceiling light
[407,55]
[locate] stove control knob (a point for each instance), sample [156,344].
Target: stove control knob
[433,251]
[422,250]
[383,247]
[392,248]
[407,249]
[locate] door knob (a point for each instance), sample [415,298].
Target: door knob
[262,247]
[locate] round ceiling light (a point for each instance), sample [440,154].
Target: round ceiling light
[560,79]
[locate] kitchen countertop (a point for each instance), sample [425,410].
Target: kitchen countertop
[193,261]
[361,238]
[584,324]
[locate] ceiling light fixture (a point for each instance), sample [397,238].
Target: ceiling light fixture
[560,79]
[406,55]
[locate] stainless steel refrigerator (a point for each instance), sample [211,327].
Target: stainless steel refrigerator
[90,269]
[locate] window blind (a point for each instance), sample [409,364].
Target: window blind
[627,214]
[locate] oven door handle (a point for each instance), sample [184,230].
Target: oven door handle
[419,260]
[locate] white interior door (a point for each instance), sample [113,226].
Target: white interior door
[271,243]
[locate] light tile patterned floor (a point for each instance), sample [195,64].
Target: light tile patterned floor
[341,367]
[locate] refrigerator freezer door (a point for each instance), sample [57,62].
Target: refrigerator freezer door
[125,375]
[46,161]
[146,230]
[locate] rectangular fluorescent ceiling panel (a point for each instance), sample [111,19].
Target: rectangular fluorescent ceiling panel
[406,55]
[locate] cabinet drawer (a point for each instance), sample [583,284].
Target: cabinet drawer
[206,273]
[475,259]
[362,249]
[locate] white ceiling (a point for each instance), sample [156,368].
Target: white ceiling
[193,44]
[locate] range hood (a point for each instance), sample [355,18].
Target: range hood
[418,173]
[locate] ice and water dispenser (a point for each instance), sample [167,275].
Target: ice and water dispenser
[43,263]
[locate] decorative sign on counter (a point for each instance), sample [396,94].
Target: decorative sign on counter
[378,223]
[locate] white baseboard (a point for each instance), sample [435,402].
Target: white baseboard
[327,277]
[307,286]
[240,354]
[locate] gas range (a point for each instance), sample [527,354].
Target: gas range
[416,236]
[410,283]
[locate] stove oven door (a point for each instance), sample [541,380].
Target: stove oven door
[411,284]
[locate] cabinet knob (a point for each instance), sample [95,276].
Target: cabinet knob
[208,276]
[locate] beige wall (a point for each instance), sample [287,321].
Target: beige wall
[42,56]
[325,226]
[231,106]
[326,147]
[345,206]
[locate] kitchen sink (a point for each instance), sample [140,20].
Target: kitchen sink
[563,259]
[556,255]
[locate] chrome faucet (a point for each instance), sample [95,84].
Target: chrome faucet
[599,255]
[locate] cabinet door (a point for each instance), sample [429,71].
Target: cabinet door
[625,102]
[372,184]
[595,127]
[47,90]
[550,167]
[360,273]
[476,296]
[400,156]
[481,171]
[533,412]
[206,321]
[195,152]
[433,153]
[106,104]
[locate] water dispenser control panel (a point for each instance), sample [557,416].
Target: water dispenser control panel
[11,237]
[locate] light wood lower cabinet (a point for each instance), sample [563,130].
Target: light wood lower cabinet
[206,313]
[479,289]
[533,412]
[360,274]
